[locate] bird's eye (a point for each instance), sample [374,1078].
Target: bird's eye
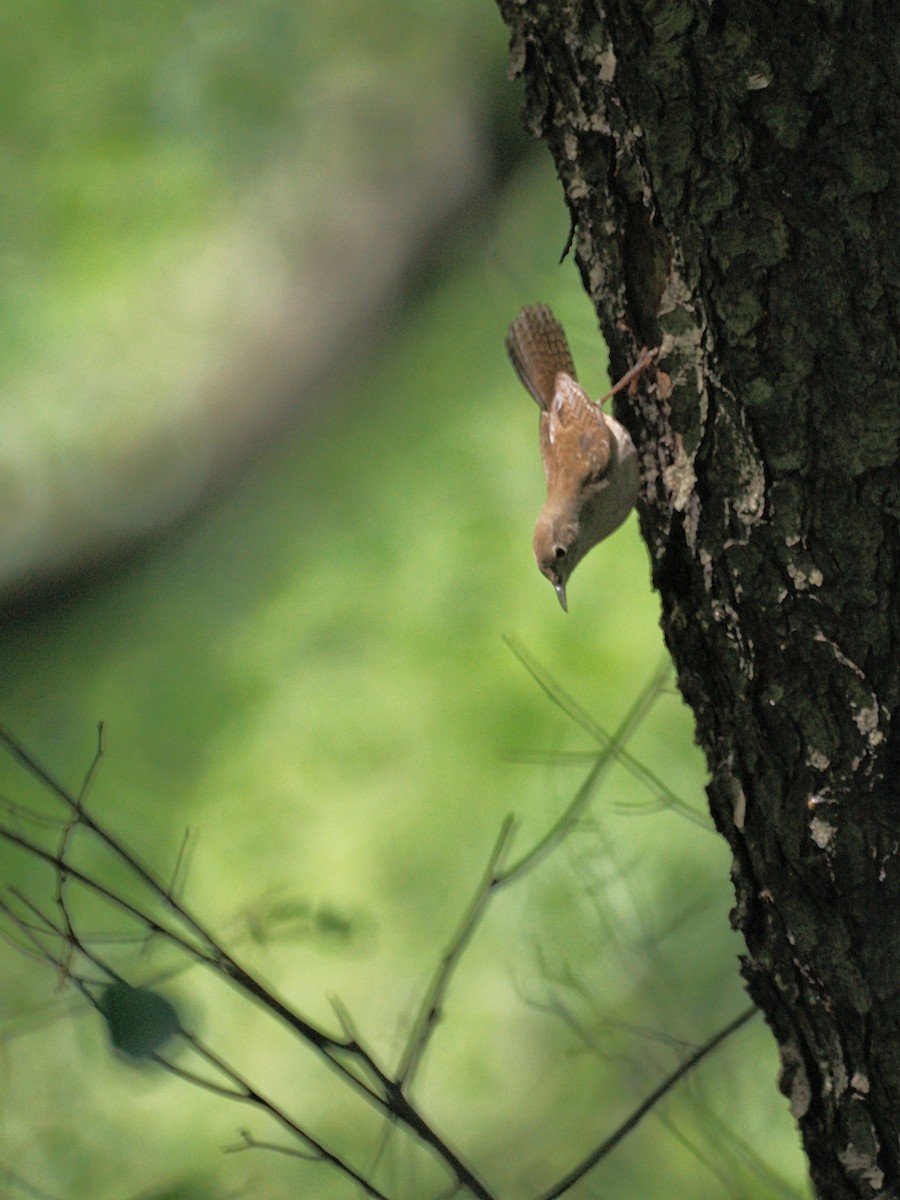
[559,552]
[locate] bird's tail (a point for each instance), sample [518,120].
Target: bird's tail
[538,351]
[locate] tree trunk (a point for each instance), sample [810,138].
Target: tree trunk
[732,171]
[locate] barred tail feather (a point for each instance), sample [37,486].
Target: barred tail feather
[538,351]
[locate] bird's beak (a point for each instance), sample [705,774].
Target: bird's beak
[560,589]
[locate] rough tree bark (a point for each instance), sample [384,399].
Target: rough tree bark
[732,172]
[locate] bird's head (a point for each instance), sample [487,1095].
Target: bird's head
[556,550]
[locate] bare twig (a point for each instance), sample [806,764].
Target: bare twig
[244,1091]
[608,1144]
[238,1088]
[348,1055]
[249,1142]
[494,877]
[613,744]
[365,1075]
[430,1010]
[61,851]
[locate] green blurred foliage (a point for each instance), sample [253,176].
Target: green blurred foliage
[310,676]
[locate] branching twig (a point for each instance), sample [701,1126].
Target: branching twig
[348,1055]
[430,1010]
[238,1088]
[72,823]
[494,878]
[249,1142]
[613,744]
[246,1093]
[383,1092]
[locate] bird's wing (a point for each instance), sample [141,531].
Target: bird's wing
[579,443]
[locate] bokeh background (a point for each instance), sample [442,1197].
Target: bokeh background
[267,486]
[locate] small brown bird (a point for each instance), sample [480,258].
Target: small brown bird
[590,462]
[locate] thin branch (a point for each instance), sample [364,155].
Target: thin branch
[137,914]
[430,1011]
[246,1093]
[25,814]
[494,878]
[612,747]
[61,851]
[94,764]
[587,1164]
[249,1142]
[217,958]
[386,1094]
[715,1169]
[570,706]
[115,845]
[239,1090]
[180,860]
[567,979]
[723,1137]
[399,1108]
[612,743]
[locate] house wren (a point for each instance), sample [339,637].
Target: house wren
[590,462]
